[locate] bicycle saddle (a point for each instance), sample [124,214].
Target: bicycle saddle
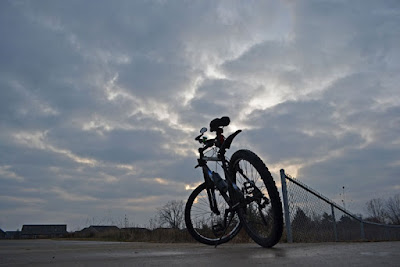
[219,122]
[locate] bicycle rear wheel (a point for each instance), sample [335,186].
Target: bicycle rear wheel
[206,226]
[261,214]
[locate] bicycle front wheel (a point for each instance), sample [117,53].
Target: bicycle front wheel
[261,212]
[207,226]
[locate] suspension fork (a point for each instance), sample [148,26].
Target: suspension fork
[209,188]
[236,196]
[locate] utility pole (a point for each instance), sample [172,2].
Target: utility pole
[343,199]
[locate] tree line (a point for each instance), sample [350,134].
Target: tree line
[384,210]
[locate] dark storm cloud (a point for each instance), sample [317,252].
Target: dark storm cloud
[100,102]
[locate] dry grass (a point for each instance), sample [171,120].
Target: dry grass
[160,235]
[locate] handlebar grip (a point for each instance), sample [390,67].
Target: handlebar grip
[209,143]
[198,137]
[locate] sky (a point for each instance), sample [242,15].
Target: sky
[100,101]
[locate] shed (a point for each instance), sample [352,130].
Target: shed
[2,234]
[43,231]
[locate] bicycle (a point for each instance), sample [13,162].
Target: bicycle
[218,208]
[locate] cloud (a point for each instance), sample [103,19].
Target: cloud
[6,173]
[100,103]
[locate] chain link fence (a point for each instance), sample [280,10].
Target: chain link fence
[311,217]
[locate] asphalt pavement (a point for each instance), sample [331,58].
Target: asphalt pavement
[92,253]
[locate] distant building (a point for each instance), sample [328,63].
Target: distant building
[44,231]
[136,230]
[12,234]
[2,234]
[96,229]
[101,228]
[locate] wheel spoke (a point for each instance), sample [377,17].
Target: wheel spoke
[200,219]
[262,215]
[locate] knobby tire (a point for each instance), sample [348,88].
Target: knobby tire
[267,230]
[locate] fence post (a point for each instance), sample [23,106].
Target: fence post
[286,207]
[386,233]
[362,229]
[334,223]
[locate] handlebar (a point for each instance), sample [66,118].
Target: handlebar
[198,137]
[210,142]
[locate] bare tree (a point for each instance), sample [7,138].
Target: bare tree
[171,214]
[376,210]
[153,223]
[393,209]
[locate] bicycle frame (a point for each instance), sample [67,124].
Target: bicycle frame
[244,203]
[210,184]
